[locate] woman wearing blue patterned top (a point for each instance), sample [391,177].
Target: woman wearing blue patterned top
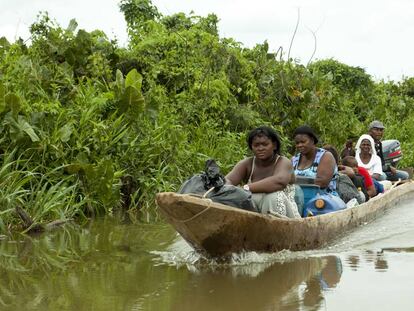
[312,161]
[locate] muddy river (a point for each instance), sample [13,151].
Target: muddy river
[113,264]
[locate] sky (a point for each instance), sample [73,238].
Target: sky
[374,35]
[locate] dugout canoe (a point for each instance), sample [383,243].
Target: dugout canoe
[219,230]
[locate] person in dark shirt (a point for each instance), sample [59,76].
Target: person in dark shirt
[348,149]
[376,130]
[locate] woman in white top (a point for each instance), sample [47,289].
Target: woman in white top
[367,157]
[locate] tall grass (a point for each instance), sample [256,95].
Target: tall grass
[44,197]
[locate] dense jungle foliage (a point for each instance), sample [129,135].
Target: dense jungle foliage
[89,127]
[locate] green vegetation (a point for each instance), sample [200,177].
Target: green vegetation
[89,127]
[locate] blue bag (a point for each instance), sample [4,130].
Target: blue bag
[323,203]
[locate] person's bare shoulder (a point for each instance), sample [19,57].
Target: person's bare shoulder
[246,162]
[240,169]
[328,157]
[285,162]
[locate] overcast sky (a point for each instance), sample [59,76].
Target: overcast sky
[375,35]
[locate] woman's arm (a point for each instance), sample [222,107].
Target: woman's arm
[376,168]
[325,170]
[281,177]
[238,173]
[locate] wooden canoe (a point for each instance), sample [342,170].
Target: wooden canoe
[219,230]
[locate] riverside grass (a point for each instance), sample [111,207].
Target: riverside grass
[37,194]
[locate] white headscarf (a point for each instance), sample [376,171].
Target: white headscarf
[370,139]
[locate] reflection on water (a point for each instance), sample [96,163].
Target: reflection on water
[105,266]
[252,281]
[109,266]
[399,249]
[353,262]
[116,265]
[377,259]
[278,286]
[326,279]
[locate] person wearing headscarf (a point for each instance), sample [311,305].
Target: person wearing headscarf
[367,157]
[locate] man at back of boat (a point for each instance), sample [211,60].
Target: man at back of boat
[376,130]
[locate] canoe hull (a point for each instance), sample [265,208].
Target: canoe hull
[219,230]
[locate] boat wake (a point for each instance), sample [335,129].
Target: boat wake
[250,264]
[182,254]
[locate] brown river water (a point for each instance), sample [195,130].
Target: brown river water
[116,265]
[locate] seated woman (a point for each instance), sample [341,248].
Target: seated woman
[267,174]
[367,158]
[314,162]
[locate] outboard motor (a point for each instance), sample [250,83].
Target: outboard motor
[391,150]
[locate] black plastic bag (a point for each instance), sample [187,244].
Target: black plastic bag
[211,184]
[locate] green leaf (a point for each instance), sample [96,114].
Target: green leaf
[133,79]
[132,99]
[27,128]
[120,83]
[82,158]
[65,132]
